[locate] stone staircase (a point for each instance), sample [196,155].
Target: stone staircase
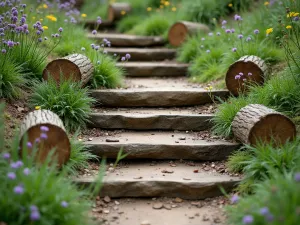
[159,116]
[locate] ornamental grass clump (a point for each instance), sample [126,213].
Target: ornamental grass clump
[68,100]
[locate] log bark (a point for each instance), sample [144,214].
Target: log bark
[117,10]
[256,122]
[57,138]
[254,70]
[181,30]
[76,67]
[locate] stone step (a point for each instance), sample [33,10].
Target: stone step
[125,40]
[154,69]
[144,54]
[151,119]
[141,179]
[156,97]
[162,145]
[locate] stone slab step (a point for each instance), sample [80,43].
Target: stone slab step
[156,97]
[154,69]
[144,54]
[151,119]
[155,180]
[162,145]
[125,40]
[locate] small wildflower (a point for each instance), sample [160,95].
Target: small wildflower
[5,155]
[3,51]
[60,29]
[237,77]
[127,56]
[210,34]
[207,51]
[64,204]
[18,190]
[35,215]
[29,144]
[218,33]
[26,171]
[297,177]
[288,27]
[235,198]
[123,12]
[83,15]
[37,140]
[250,74]
[37,107]
[248,219]
[174,9]
[232,30]
[264,211]
[98,62]
[45,27]
[202,39]
[240,36]
[296,18]
[228,31]
[149,9]
[230,5]
[104,52]
[237,17]
[33,208]
[83,49]
[123,59]
[44,136]
[44,128]
[11,175]
[224,22]
[234,49]
[248,39]
[94,32]
[256,31]
[266,3]
[269,30]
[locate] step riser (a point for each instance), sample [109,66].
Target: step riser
[185,190]
[157,122]
[154,98]
[157,151]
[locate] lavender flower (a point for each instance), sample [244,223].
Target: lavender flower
[297,177]
[11,175]
[44,128]
[240,36]
[237,17]
[269,217]
[248,219]
[207,51]
[248,39]
[249,74]
[35,215]
[64,204]
[40,39]
[296,18]
[241,74]
[228,31]
[127,56]
[37,140]
[29,144]
[6,155]
[264,211]
[256,31]
[60,30]
[237,77]
[3,51]
[94,32]
[234,49]
[43,136]
[34,208]
[202,39]
[18,190]
[123,59]
[232,30]
[10,44]
[235,197]
[26,171]
[224,22]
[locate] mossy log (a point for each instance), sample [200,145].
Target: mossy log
[117,10]
[248,69]
[255,123]
[76,67]
[181,30]
[46,130]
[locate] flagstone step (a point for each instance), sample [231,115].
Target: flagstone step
[141,179]
[152,97]
[150,119]
[144,54]
[154,69]
[162,145]
[126,40]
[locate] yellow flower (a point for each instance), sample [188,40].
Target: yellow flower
[230,5]
[149,9]
[174,9]
[288,27]
[268,31]
[83,15]
[33,17]
[52,18]
[291,14]
[123,12]
[167,3]
[37,107]
[41,19]
[266,3]
[296,14]
[161,6]
[45,6]
[45,27]
[209,87]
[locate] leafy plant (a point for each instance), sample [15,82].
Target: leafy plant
[120,156]
[236,161]
[68,100]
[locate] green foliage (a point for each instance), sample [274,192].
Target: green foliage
[11,79]
[120,156]
[189,49]
[68,100]
[276,201]
[236,161]
[128,22]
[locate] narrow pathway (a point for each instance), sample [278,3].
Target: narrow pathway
[157,117]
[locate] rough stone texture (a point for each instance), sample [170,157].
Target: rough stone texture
[144,54]
[155,97]
[154,69]
[162,145]
[125,40]
[154,183]
[152,121]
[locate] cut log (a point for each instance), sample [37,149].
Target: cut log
[117,10]
[181,30]
[255,123]
[76,67]
[46,130]
[248,69]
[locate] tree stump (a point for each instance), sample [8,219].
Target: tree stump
[117,10]
[76,67]
[255,123]
[181,30]
[248,69]
[46,130]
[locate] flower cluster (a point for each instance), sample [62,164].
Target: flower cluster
[241,76]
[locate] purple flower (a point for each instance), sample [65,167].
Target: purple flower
[94,32]
[127,56]
[18,190]
[237,17]
[35,215]
[297,177]
[26,171]
[44,128]
[232,30]
[256,31]
[10,44]
[248,219]
[97,47]
[11,175]
[240,36]
[223,27]
[234,198]
[34,208]
[264,211]
[269,217]
[228,31]
[3,51]
[64,204]
[224,22]
[40,39]
[29,144]
[234,49]
[249,74]
[123,59]
[207,51]
[99,21]
[248,39]
[43,136]
[93,46]
[60,29]
[37,140]
[296,18]
[6,155]
[241,74]
[1,30]
[237,77]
